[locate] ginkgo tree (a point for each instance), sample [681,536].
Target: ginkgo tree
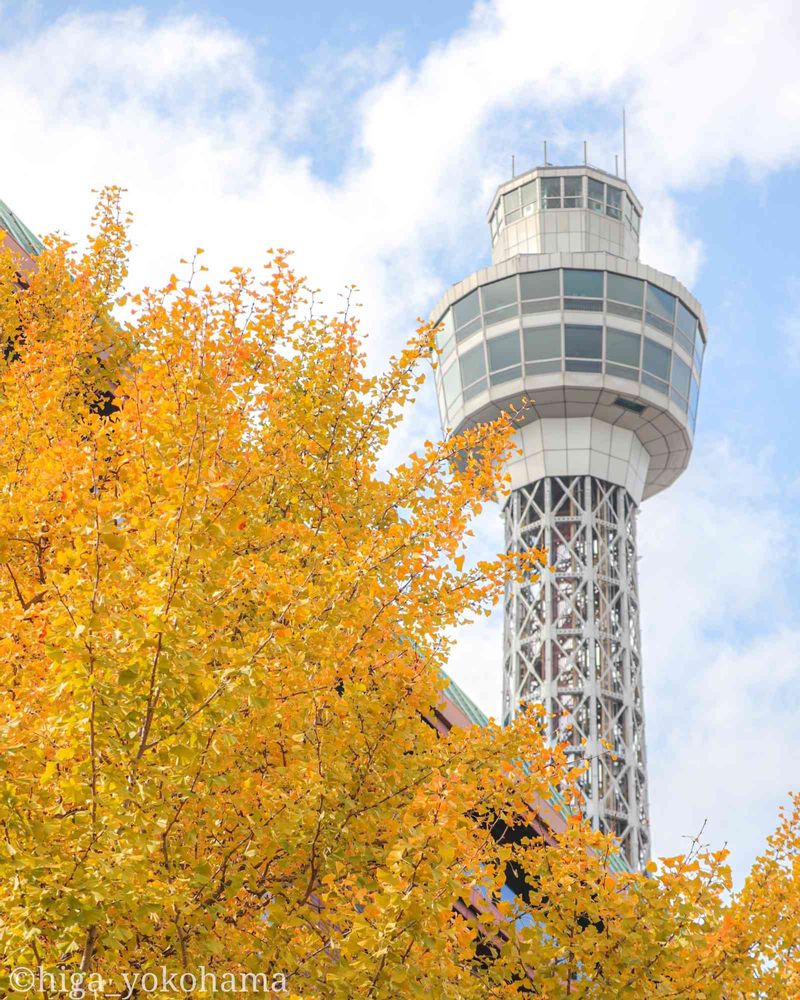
[224,625]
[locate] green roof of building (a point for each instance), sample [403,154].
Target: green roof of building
[18,231]
[616,862]
[465,703]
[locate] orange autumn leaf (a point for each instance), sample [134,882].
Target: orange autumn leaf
[225,622]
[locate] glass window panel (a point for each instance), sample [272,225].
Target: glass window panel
[619,309]
[542,342]
[466,309]
[686,320]
[681,373]
[573,365]
[511,201]
[597,195]
[584,283]
[452,384]
[684,341]
[499,293]
[660,303]
[660,324]
[682,402]
[542,305]
[583,341]
[551,192]
[625,289]
[573,192]
[540,284]
[584,305]
[506,376]
[473,364]
[464,332]
[622,372]
[543,367]
[656,359]
[613,202]
[529,193]
[699,348]
[623,348]
[503,351]
[694,393]
[473,390]
[654,383]
[500,315]
[445,328]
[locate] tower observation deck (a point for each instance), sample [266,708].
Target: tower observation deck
[610,351]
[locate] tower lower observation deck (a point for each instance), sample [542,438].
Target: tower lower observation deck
[610,352]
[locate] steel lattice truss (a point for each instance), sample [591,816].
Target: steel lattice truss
[572,641]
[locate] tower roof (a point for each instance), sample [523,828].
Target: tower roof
[25,239]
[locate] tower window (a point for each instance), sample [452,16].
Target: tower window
[452,384]
[694,393]
[655,365]
[473,365]
[623,348]
[587,284]
[686,325]
[597,195]
[528,197]
[660,303]
[444,338]
[681,375]
[583,347]
[624,289]
[542,342]
[551,192]
[613,202]
[699,348]
[573,192]
[503,351]
[540,285]
[511,206]
[499,294]
[466,314]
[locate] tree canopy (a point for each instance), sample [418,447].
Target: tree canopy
[224,628]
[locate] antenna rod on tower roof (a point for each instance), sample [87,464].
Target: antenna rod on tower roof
[545,152]
[624,146]
[616,164]
[585,160]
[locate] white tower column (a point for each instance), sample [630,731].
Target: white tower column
[572,641]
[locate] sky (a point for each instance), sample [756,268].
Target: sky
[369,139]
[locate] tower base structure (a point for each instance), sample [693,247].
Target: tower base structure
[572,642]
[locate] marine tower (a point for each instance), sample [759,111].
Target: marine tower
[610,351]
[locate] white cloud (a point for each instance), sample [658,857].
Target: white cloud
[178,111]
[790,321]
[721,643]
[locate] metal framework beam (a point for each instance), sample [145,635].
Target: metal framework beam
[572,643]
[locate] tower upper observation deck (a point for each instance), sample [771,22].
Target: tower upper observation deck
[567,316]
[565,210]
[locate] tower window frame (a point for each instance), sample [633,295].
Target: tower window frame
[614,202]
[551,193]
